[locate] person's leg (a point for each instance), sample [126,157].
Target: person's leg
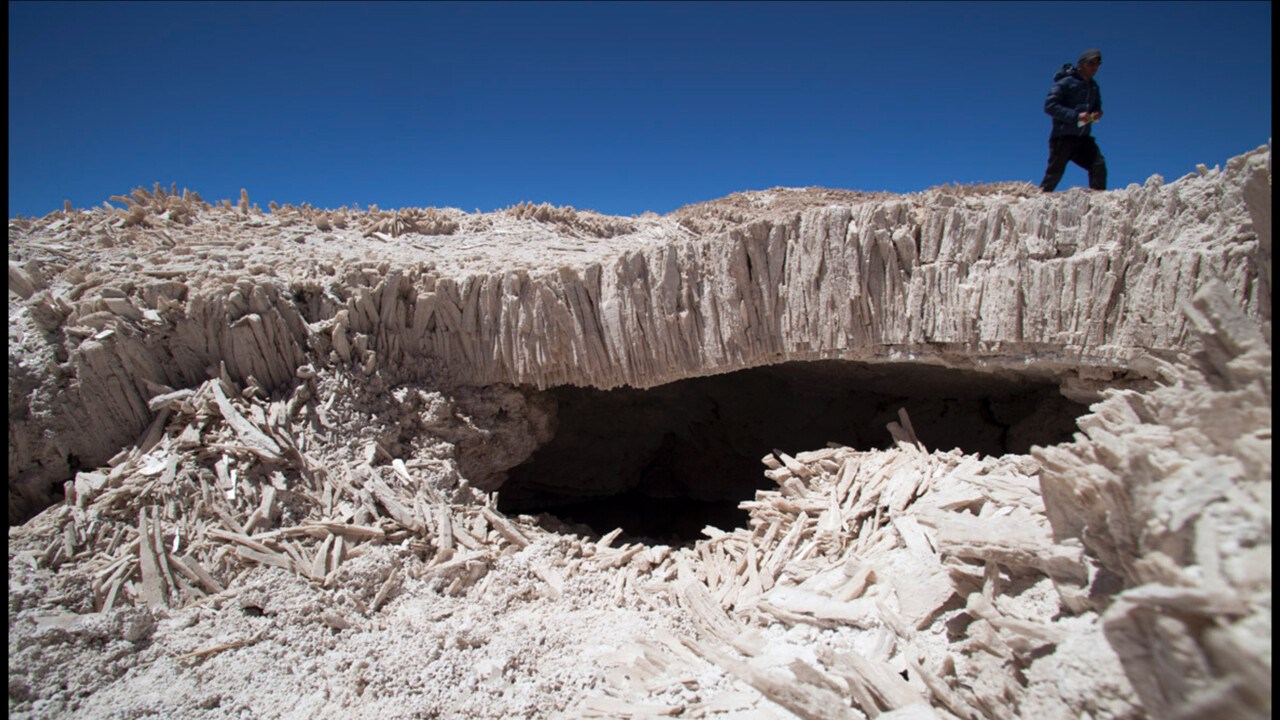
[1088,156]
[1098,170]
[1061,150]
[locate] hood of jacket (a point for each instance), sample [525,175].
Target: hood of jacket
[1065,71]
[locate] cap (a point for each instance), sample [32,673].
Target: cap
[1091,54]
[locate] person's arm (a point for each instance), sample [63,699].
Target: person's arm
[1056,108]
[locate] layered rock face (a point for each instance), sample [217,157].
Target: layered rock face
[110,308]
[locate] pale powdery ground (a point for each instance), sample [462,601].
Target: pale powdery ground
[323,550]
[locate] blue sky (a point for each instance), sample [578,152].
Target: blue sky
[616,107]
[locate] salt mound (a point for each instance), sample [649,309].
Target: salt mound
[259,459]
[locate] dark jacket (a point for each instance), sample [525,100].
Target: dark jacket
[1070,96]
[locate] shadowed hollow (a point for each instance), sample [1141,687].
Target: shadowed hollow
[664,462]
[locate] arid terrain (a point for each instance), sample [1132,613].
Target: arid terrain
[974,452]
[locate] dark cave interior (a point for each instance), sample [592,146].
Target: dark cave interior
[661,463]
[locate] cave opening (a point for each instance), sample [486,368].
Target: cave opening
[664,462]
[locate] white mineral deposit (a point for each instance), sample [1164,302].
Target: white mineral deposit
[974,452]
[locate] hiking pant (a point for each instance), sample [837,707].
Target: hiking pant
[1082,151]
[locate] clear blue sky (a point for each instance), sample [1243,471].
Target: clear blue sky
[616,107]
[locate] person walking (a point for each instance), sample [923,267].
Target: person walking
[1075,103]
